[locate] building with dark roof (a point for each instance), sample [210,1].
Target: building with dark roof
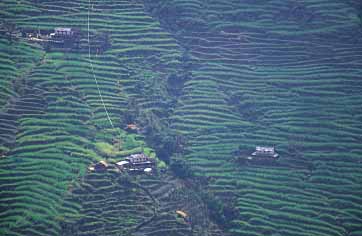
[137,162]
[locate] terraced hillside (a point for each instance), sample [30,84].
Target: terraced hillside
[114,204]
[224,76]
[283,73]
[54,123]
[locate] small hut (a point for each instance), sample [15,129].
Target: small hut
[183,215]
[101,166]
[132,128]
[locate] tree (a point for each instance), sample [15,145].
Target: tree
[175,83]
[181,168]
[132,112]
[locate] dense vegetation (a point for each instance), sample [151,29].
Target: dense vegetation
[206,80]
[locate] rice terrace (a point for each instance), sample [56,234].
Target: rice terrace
[181,118]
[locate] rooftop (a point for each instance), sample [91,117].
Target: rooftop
[181,213]
[264,149]
[121,163]
[132,126]
[264,152]
[139,158]
[102,162]
[63,29]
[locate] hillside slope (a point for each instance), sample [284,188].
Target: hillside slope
[283,73]
[222,76]
[54,124]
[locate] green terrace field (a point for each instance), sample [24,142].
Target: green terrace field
[53,124]
[222,77]
[281,73]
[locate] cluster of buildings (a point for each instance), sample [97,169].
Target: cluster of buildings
[141,163]
[136,163]
[59,35]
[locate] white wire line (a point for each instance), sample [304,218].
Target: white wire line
[92,70]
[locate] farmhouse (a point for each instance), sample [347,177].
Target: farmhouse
[58,36]
[99,166]
[263,154]
[137,162]
[140,160]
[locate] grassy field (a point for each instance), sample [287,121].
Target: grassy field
[281,73]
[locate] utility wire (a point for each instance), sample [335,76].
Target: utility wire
[92,70]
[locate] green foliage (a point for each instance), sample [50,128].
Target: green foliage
[130,142]
[158,136]
[105,149]
[181,169]
[175,83]
[221,76]
[3,150]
